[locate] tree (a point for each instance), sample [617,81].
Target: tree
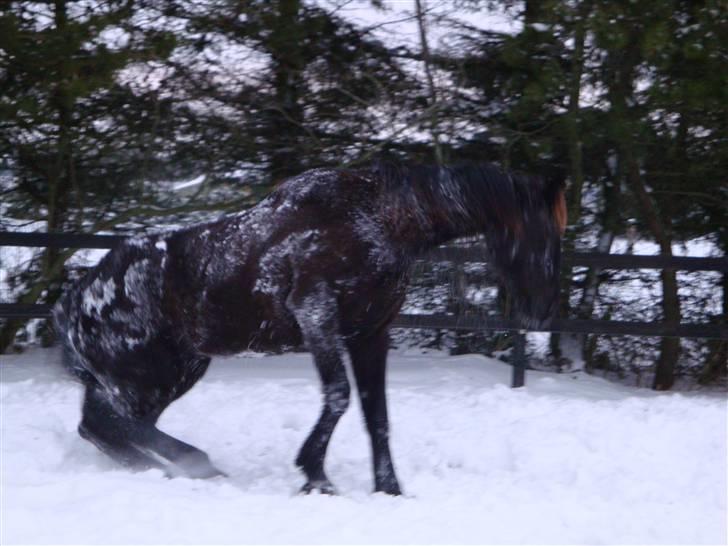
[620,98]
[324,92]
[103,104]
[79,143]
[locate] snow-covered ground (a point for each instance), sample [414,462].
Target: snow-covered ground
[568,459]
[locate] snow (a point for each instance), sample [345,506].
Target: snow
[567,459]
[99,295]
[189,183]
[396,24]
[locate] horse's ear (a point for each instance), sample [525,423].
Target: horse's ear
[555,197]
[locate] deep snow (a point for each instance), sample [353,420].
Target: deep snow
[568,459]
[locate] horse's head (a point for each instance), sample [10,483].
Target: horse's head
[526,250]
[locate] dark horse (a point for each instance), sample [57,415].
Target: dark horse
[322,261]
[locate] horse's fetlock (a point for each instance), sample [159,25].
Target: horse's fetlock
[311,466]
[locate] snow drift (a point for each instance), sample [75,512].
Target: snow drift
[568,459]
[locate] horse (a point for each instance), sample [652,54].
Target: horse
[321,262]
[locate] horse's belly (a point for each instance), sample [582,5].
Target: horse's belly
[225,340]
[244,326]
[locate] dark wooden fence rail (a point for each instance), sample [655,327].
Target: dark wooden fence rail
[59,240]
[452,253]
[451,322]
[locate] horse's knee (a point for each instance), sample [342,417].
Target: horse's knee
[337,398]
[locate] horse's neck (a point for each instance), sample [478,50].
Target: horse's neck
[423,217]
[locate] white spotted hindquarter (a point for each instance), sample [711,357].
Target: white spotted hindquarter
[119,307]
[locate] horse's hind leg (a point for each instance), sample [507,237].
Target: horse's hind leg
[132,439]
[316,313]
[192,461]
[111,432]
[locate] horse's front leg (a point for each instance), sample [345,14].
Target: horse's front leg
[369,360]
[316,312]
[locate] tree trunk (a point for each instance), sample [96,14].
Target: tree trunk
[620,88]
[286,132]
[425,48]
[52,274]
[10,328]
[669,346]
[61,180]
[609,226]
[560,350]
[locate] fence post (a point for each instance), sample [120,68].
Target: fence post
[519,359]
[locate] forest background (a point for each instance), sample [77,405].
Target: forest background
[124,116]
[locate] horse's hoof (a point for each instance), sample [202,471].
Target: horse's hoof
[391,492]
[324,487]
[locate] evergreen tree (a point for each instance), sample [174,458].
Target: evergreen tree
[324,91]
[79,144]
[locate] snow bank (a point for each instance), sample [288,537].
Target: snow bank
[568,459]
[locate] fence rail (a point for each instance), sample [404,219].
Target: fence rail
[597,259]
[451,322]
[452,253]
[59,240]
[479,322]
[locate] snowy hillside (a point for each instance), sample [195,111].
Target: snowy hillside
[568,459]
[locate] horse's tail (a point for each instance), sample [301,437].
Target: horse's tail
[70,358]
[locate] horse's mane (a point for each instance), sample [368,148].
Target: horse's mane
[478,190]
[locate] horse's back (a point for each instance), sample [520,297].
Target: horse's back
[222,287]
[318,227]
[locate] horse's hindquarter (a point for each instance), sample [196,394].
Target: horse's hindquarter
[114,318]
[209,284]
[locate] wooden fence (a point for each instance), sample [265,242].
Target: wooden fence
[454,322]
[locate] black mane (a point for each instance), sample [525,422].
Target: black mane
[462,199]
